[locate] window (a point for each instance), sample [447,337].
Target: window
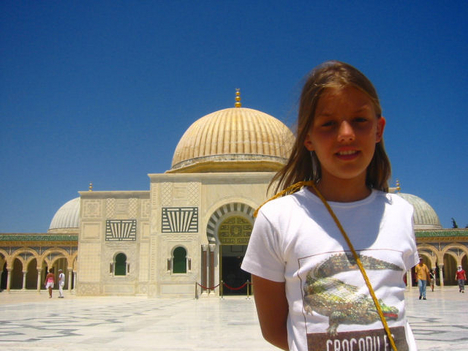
[179,260]
[120,264]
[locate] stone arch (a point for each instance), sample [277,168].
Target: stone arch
[50,256]
[221,213]
[25,255]
[73,261]
[16,270]
[449,249]
[431,253]
[4,254]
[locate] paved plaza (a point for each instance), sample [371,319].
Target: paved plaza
[32,321]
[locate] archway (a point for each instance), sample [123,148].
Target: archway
[31,278]
[450,267]
[228,233]
[234,233]
[17,275]
[4,277]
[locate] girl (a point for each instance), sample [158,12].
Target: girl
[313,291]
[49,281]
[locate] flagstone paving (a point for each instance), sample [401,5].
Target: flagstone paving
[32,321]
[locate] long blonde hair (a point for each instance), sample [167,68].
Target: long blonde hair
[304,165]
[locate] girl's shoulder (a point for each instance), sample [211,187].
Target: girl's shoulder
[395,199]
[286,205]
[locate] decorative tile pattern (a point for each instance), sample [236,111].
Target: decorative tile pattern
[121,230]
[110,207]
[92,209]
[132,207]
[180,220]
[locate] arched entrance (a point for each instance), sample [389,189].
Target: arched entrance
[450,267]
[229,228]
[234,233]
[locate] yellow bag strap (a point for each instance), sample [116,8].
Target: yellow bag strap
[297,186]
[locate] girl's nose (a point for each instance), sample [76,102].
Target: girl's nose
[345,132]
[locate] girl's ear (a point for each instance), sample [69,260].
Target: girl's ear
[308,143]
[380,129]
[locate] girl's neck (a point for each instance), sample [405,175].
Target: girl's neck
[343,190]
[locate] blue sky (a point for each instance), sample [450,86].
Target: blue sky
[102,91]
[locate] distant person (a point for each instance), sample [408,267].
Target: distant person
[433,278]
[61,283]
[460,275]
[422,275]
[50,281]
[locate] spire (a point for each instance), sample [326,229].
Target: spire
[398,187]
[90,186]
[238,98]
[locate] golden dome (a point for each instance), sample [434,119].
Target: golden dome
[233,140]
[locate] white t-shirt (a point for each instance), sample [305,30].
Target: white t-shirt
[296,241]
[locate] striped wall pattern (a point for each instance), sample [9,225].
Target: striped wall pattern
[121,230]
[179,220]
[220,213]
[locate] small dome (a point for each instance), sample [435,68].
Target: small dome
[424,215]
[67,217]
[233,139]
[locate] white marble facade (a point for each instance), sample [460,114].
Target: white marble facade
[180,210]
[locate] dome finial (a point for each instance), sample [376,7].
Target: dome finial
[90,186]
[238,98]
[398,187]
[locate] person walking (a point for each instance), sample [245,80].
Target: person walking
[422,275]
[50,281]
[433,279]
[460,275]
[61,282]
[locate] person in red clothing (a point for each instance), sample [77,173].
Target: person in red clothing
[460,275]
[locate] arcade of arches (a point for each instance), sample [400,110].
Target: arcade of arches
[25,263]
[25,259]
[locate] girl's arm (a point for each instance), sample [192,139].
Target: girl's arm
[272,310]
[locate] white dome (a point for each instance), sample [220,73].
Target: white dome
[68,216]
[424,215]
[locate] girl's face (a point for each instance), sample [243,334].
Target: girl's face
[344,133]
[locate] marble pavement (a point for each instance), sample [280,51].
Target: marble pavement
[32,321]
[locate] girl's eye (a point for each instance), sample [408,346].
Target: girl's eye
[328,124]
[360,119]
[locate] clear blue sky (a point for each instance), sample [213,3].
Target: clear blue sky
[102,91]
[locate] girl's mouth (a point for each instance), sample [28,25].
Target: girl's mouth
[347,154]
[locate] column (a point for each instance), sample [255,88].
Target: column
[39,280]
[211,278]
[409,279]
[24,280]
[74,280]
[441,274]
[9,279]
[70,275]
[204,265]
